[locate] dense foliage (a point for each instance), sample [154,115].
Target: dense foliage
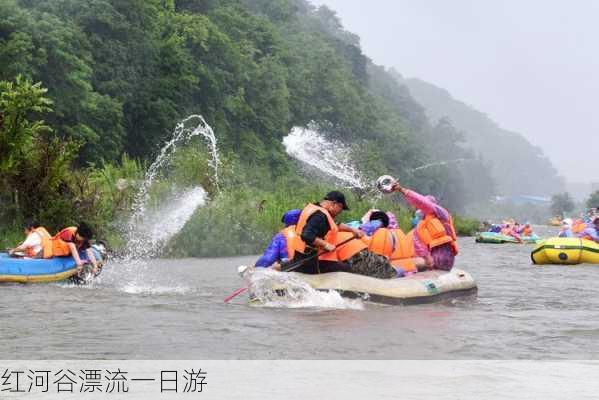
[91,89]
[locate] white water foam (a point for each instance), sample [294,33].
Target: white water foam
[150,289]
[266,285]
[328,156]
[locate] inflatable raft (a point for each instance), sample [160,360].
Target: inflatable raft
[566,251]
[32,270]
[419,288]
[498,238]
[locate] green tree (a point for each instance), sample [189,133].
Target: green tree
[561,204]
[34,162]
[593,200]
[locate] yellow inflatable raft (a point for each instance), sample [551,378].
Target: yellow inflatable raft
[566,251]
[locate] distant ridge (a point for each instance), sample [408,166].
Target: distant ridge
[517,166]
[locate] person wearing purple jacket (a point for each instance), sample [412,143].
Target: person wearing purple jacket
[276,252]
[591,231]
[438,257]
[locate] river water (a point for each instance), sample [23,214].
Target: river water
[173,309]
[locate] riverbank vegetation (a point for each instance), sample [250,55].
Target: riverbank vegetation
[90,90]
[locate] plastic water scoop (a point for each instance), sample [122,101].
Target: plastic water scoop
[385,183]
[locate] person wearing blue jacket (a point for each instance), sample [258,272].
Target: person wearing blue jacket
[276,252]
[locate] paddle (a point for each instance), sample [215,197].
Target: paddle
[288,268]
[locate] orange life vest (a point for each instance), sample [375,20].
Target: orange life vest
[578,227]
[382,242]
[396,246]
[290,236]
[432,233]
[350,248]
[526,232]
[45,238]
[56,247]
[404,250]
[330,237]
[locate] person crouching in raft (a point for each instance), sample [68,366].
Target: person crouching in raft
[280,249]
[434,237]
[338,245]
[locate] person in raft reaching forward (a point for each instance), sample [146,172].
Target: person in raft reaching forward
[434,237]
[69,242]
[321,246]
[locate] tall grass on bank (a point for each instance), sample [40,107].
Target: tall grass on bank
[242,221]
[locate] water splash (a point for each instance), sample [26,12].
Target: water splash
[156,227]
[266,287]
[182,133]
[441,163]
[331,157]
[147,240]
[148,231]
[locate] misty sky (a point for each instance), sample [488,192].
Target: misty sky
[531,65]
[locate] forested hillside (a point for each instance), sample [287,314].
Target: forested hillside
[518,167]
[120,74]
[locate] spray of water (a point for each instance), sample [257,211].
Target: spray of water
[183,132]
[149,230]
[330,157]
[269,288]
[158,226]
[441,163]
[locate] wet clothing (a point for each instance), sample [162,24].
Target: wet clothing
[276,251]
[317,226]
[443,256]
[374,265]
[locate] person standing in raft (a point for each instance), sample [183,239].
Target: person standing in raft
[280,248]
[32,246]
[434,237]
[71,240]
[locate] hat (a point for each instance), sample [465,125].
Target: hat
[337,197]
[291,217]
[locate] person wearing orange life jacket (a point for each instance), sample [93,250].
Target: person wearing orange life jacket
[434,238]
[395,245]
[69,241]
[33,244]
[318,235]
[280,249]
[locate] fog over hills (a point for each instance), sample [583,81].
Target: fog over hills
[531,66]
